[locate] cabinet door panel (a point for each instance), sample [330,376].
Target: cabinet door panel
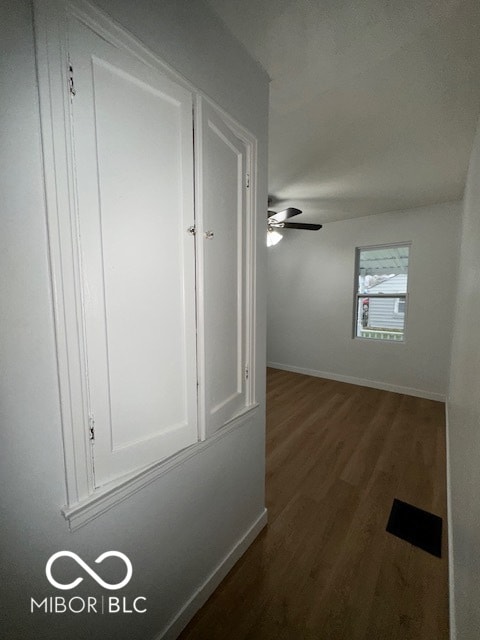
[133,146]
[222,207]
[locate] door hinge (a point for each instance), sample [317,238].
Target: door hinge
[71,85]
[91,427]
[246,373]
[247,180]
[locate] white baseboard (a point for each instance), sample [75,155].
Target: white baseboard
[451,574]
[362,382]
[201,595]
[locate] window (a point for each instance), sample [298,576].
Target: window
[381,291]
[400,306]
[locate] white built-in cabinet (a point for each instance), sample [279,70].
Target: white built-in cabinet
[150,199]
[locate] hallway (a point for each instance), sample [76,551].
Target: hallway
[325,568]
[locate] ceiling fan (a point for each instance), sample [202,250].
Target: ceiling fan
[277,220]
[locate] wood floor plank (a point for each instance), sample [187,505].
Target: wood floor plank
[325,568]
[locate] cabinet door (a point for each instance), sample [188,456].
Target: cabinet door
[133,146]
[221,175]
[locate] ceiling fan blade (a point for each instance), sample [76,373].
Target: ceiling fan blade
[280,216]
[302,225]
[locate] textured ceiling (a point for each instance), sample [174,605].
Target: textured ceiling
[373,103]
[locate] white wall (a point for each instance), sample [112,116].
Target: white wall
[464,419]
[310,301]
[178,529]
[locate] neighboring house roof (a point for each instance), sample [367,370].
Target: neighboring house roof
[393,259]
[393,284]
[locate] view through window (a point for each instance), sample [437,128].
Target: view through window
[381,292]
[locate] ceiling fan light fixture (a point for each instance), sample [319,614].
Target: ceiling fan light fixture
[281,216]
[273,237]
[281,220]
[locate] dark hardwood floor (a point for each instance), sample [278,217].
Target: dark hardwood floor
[325,568]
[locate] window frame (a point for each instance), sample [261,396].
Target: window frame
[357,295]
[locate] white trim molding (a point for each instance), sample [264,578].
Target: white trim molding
[451,566]
[52,68]
[362,382]
[201,595]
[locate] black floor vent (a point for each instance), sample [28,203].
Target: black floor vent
[419,527]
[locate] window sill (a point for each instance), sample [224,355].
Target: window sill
[379,340]
[108,496]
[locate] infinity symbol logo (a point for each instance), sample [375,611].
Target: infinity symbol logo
[85,567]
